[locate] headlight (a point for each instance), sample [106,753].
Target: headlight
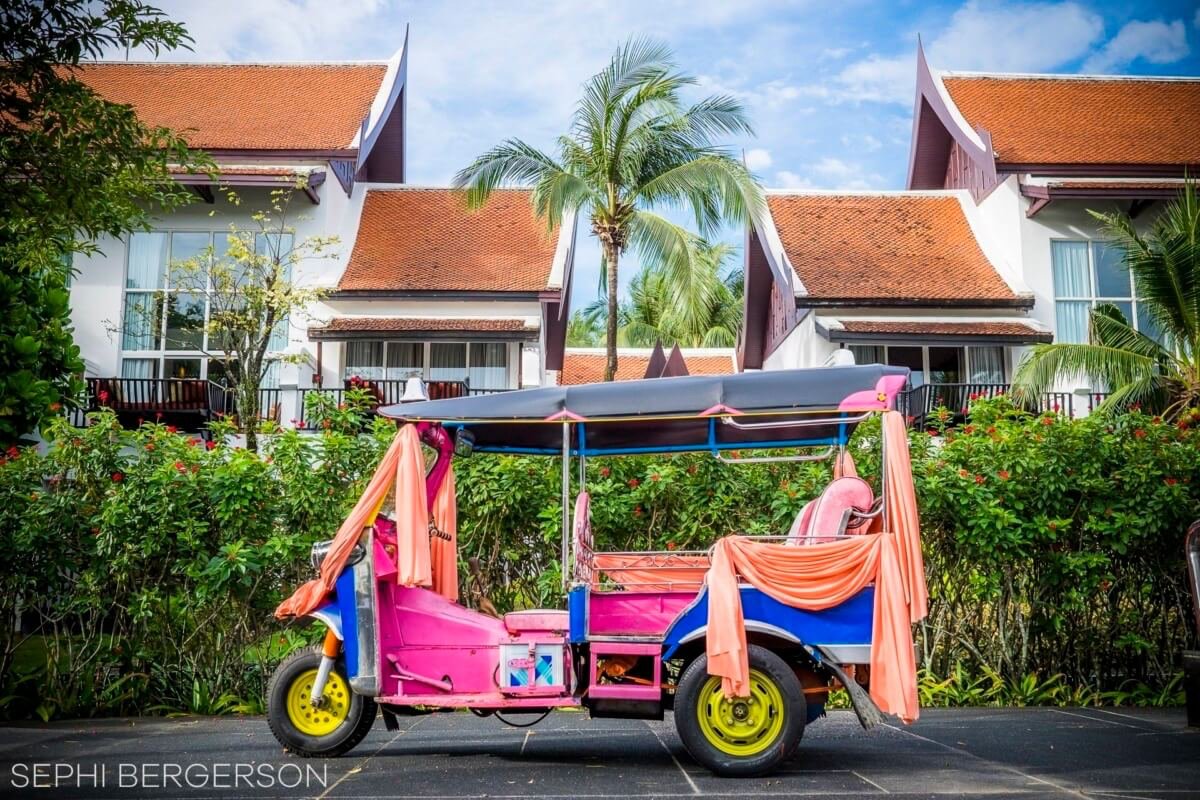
[320,549]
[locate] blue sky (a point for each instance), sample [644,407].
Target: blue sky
[829,86]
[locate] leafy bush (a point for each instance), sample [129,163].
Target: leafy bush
[149,561]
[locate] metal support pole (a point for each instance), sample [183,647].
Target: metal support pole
[566,498]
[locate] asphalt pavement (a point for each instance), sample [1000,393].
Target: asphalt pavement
[993,753]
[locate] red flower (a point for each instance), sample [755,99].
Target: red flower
[210,445]
[13,451]
[171,428]
[670,545]
[150,446]
[931,432]
[962,473]
[634,483]
[654,477]
[973,396]
[991,430]
[55,407]
[1047,420]
[103,395]
[691,470]
[195,468]
[193,442]
[326,424]
[979,479]
[605,472]
[637,511]
[1055,408]
[157,415]
[117,477]
[341,406]
[1170,481]
[180,466]
[968,429]
[1003,475]
[1139,433]
[1053,526]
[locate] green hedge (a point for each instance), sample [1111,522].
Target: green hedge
[144,564]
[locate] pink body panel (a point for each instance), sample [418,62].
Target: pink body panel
[435,652]
[536,619]
[634,613]
[624,691]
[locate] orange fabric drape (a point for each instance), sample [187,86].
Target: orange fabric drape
[313,593]
[412,513]
[444,553]
[820,576]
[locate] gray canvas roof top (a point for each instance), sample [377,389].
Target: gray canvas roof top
[659,414]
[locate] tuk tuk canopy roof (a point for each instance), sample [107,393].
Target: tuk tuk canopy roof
[669,414]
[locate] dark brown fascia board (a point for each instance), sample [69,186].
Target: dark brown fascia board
[1022,302]
[1100,170]
[850,337]
[282,155]
[316,334]
[1102,192]
[433,294]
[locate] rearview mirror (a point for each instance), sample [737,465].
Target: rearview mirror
[464,443]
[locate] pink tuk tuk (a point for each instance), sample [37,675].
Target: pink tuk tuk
[743,641]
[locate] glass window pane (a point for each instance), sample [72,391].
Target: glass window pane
[280,335]
[489,366]
[231,275]
[448,361]
[1112,278]
[185,322]
[181,367]
[139,368]
[189,247]
[364,360]
[275,246]
[1147,325]
[1071,321]
[147,260]
[142,321]
[945,364]
[270,379]
[867,353]
[910,357]
[1070,264]
[986,364]
[405,359]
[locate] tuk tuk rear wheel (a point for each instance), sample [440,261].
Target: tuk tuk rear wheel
[335,727]
[741,737]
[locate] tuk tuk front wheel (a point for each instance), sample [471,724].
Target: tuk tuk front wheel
[741,737]
[333,727]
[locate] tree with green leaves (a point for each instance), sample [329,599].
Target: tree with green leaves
[650,313]
[253,286]
[73,168]
[1160,372]
[635,148]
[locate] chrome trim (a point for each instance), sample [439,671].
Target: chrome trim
[794,423]
[848,653]
[320,549]
[367,680]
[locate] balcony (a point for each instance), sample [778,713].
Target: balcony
[918,403]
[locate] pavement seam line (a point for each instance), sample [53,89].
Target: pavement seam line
[1005,767]
[688,778]
[358,767]
[1097,719]
[865,779]
[525,742]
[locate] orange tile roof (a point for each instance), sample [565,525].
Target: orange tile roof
[1051,120]
[245,106]
[907,327]
[589,367]
[412,325]
[891,248]
[428,240]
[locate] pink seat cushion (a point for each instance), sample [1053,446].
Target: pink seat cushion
[536,619]
[826,516]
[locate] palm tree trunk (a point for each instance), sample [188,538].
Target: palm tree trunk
[610,341]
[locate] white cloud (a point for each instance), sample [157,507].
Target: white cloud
[758,159]
[790,180]
[1013,37]
[1155,41]
[863,142]
[834,53]
[831,173]
[1196,19]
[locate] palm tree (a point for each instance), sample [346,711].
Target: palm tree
[634,147]
[1161,373]
[649,315]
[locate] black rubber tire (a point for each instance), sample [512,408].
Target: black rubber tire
[688,707]
[353,729]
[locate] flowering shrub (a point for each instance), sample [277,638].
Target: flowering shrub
[149,561]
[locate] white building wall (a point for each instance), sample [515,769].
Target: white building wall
[802,347]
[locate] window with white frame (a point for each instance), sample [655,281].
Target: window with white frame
[484,365]
[1087,274]
[162,323]
[937,364]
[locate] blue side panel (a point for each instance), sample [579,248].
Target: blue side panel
[848,623]
[344,598]
[577,609]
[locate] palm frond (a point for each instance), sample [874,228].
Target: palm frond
[1049,363]
[511,161]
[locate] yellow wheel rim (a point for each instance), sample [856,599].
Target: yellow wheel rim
[743,726]
[332,712]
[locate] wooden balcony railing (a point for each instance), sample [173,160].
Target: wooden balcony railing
[387,392]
